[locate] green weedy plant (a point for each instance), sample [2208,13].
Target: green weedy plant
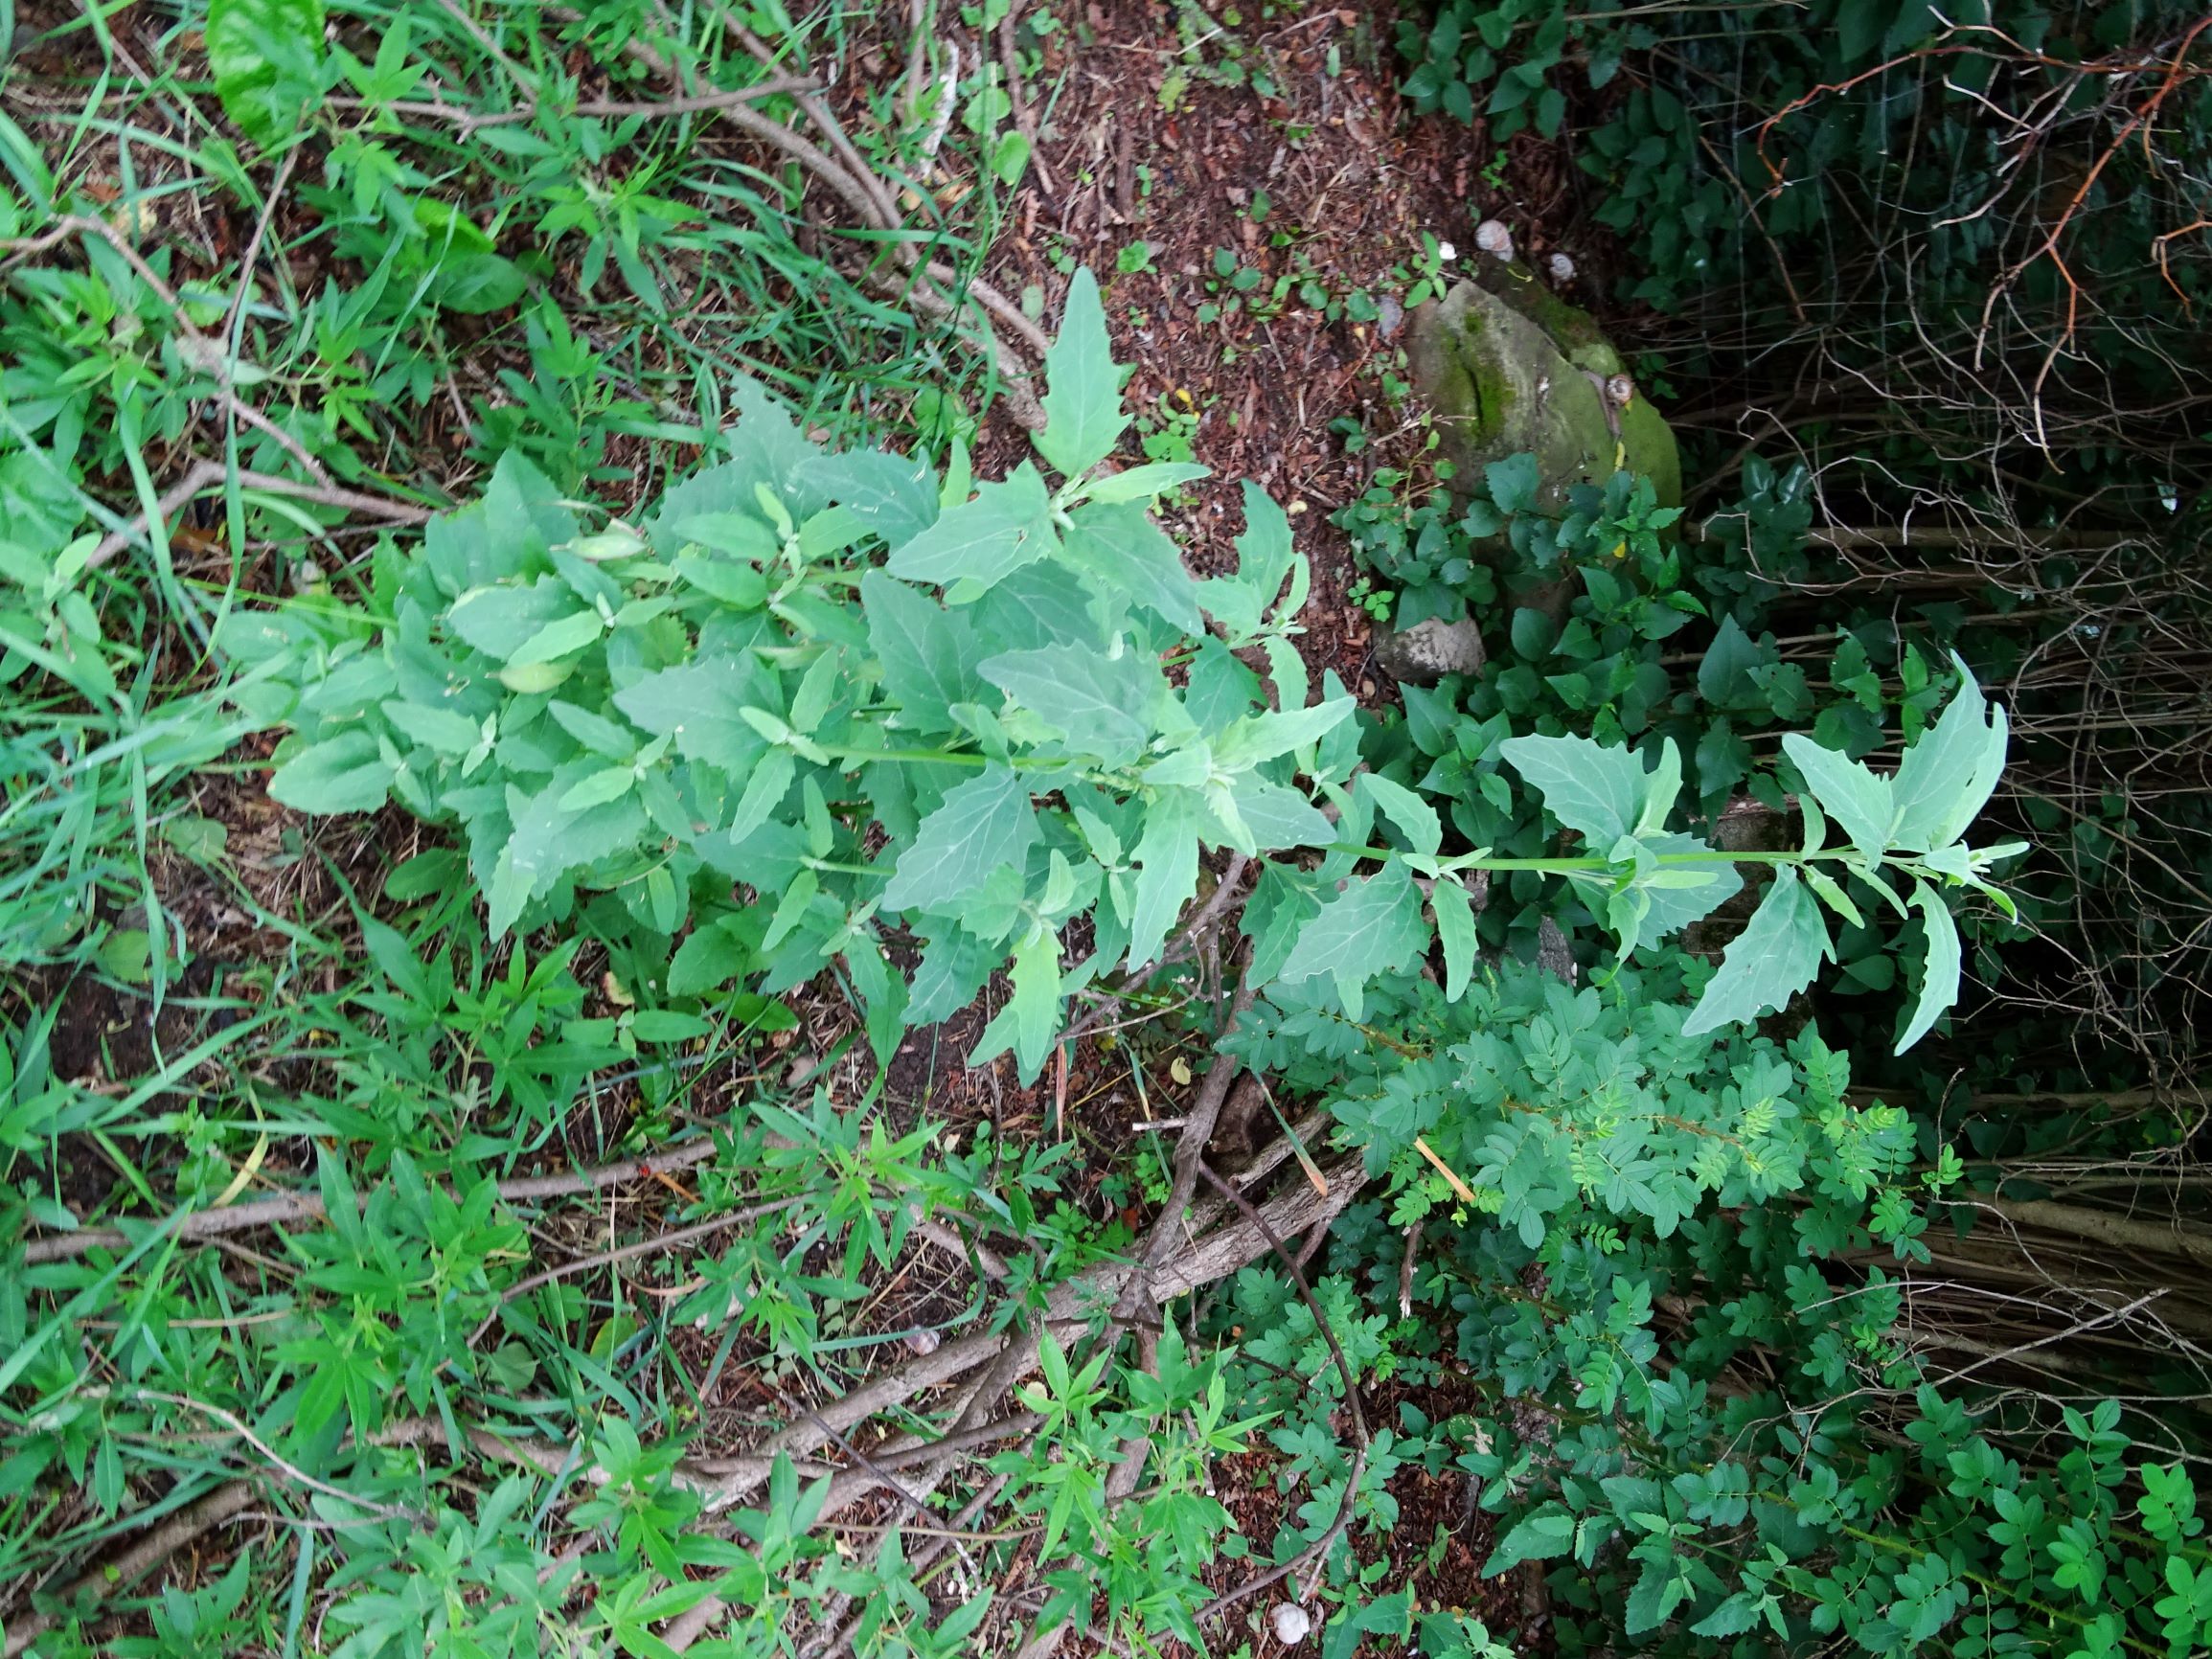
[1636,1214]
[978,738]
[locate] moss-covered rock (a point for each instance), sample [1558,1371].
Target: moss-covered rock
[1507,366]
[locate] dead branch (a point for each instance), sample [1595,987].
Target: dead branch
[206,474]
[307,1208]
[142,1558]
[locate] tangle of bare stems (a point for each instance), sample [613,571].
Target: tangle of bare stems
[2171,66]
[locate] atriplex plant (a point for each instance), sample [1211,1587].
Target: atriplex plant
[1016,720]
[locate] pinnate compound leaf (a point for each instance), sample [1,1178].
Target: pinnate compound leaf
[1939,976]
[1774,958]
[928,652]
[981,825]
[1083,406]
[1373,927]
[977,544]
[1854,796]
[1946,777]
[1588,787]
[266,59]
[1102,705]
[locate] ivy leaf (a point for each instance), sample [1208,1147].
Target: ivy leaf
[1122,549]
[977,544]
[1455,932]
[1939,977]
[1082,409]
[1854,796]
[1948,776]
[1372,927]
[981,825]
[928,652]
[1102,705]
[1773,959]
[1588,786]
[346,773]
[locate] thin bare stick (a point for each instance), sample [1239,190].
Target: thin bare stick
[142,1558]
[1318,1551]
[308,1207]
[195,347]
[470,121]
[204,474]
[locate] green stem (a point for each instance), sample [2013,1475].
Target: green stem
[1596,863]
[834,866]
[951,758]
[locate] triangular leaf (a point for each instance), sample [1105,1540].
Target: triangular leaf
[1588,786]
[1773,959]
[1946,777]
[1939,976]
[981,825]
[1083,405]
[1102,705]
[1854,796]
[1123,552]
[1372,927]
[979,543]
[928,653]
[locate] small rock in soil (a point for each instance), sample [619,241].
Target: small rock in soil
[1429,649]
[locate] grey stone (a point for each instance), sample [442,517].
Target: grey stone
[1429,649]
